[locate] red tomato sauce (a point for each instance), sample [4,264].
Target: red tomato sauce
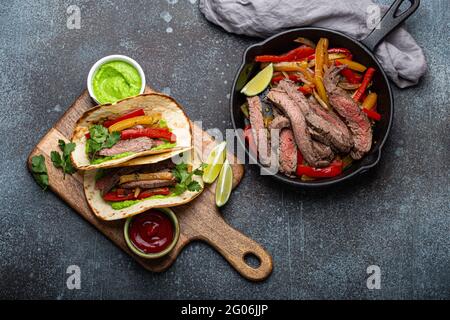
[151,232]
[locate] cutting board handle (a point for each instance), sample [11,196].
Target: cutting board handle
[235,247]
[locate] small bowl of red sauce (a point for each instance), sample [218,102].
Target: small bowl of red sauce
[152,234]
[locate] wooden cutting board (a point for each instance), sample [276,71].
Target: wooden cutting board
[199,220]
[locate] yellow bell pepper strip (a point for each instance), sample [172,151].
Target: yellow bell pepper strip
[364,84]
[326,59]
[320,101]
[132,114]
[370,101]
[290,66]
[331,56]
[342,51]
[297,54]
[353,65]
[146,176]
[129,123]
[321,59]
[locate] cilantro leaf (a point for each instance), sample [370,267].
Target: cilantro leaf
[63,162]
[39,170]
[56,159]
[184,179]
[112,139]
[194,186]
[199,171]
[99,139]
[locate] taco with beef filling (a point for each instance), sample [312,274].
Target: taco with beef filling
[146,125]
[121,192]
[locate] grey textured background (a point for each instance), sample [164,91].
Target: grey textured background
[396,216]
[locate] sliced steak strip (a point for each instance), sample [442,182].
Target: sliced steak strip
[148,184]
[299,128]
[111,176]
[130,145]
[348,109]
[280,122]
[258,129]
[323,151]
[327,125]
[288,153]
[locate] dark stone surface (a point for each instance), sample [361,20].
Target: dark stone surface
[396,216]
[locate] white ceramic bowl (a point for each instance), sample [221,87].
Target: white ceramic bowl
[115,57]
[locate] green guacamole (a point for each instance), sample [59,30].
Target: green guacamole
[116,80]
[117,156]
[128,203]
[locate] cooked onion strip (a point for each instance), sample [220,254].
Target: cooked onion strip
[305,41]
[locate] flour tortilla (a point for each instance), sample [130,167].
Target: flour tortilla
[170,111]
[104,211]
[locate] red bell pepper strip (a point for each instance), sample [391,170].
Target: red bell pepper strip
[372,114]
[132,114]
[334,50]
[115,197]
[148,132]
[149,193]
[297,54]
[333,170]
[350,75]
[364,84]
[279,78]
[121,195]
[248,136]
[305,89]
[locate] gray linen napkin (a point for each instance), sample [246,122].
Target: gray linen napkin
[401,57]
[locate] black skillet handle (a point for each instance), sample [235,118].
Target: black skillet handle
[389,22]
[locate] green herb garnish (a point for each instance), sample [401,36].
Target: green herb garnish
[39,170]
[184,178]
[63,162]
[100,138]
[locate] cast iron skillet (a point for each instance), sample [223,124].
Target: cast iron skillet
[362,52]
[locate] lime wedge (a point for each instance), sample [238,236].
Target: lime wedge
[214,162]
[224,184]
[259,82]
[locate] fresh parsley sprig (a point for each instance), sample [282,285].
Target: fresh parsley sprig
[63,162]
[39,170]
[100,138]
[184,178]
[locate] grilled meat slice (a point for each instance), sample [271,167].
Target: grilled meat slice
[288,153]
[148,184]
[330,129]
[299,128]
[130,145]
[349,110]
[258,129]
[280,122]
[323,151]
[111,177]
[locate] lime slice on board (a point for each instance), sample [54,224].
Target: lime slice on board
[259,83]
[214,162]
[224,184]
